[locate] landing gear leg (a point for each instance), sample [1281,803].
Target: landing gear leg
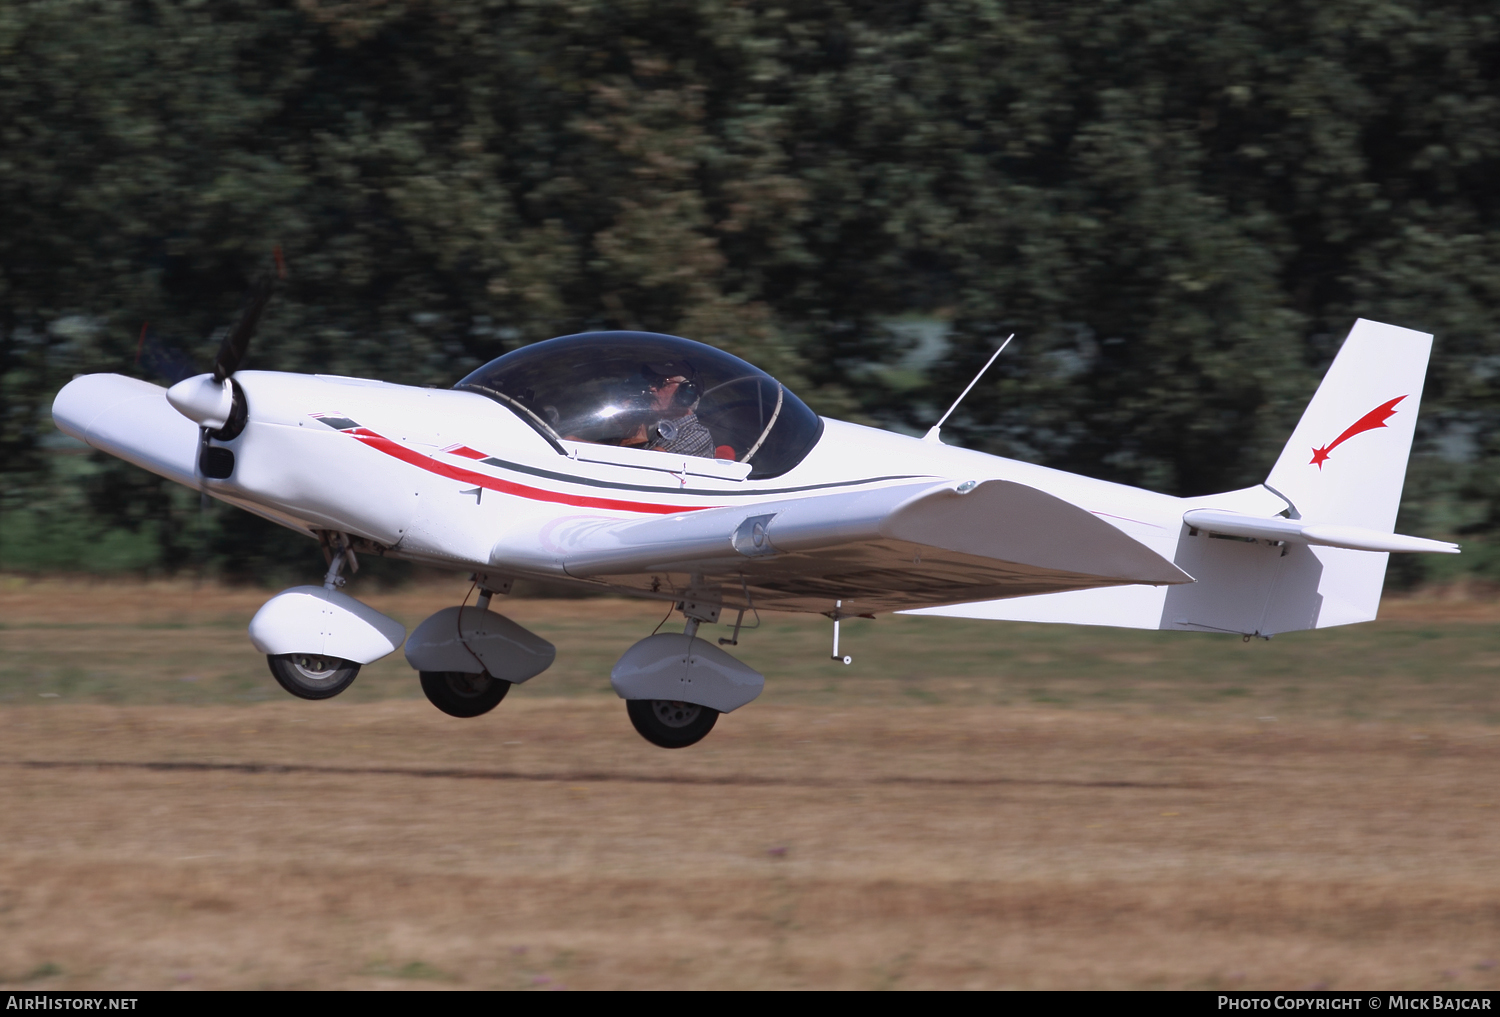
[337,552]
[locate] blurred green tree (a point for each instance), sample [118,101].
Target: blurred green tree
[1179,205]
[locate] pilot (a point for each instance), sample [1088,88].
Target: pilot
[672,423]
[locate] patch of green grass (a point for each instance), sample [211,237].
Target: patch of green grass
[415,970]
[1392,670]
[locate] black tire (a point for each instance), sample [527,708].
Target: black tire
[312,675]
[463,695]
[669,723]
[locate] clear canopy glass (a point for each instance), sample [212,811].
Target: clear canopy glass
[651,391]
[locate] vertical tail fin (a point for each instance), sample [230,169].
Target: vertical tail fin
[1345,465]
[1346,461]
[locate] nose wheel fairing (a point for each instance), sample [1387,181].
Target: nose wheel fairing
[315,620]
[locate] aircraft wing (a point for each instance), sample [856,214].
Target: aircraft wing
[895,547]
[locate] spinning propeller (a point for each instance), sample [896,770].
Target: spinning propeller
[213,401]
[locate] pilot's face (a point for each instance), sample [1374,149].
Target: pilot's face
[664,390]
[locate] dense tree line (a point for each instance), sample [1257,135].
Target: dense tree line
[1180,206]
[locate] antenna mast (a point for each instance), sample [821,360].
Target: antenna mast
[932,435]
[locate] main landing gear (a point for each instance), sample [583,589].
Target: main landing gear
[675,685]
[469,657]
[461,693]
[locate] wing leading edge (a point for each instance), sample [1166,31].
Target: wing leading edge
[896,547]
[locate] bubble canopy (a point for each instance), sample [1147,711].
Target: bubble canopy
[652,391]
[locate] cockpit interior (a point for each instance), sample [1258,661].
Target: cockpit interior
[654,392]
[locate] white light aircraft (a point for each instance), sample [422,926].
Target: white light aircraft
[664,468]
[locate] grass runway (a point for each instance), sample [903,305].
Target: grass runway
[969,805]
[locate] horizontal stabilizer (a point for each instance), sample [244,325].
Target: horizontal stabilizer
[1301,531]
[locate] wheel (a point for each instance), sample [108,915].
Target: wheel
[669,723]
[312,675]
[463,695]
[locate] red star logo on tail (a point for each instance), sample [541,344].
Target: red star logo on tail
[1369,422]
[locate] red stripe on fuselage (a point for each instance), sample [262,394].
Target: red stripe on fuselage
[397,451]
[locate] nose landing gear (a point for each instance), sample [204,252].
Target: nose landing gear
[316,638]
[316,675]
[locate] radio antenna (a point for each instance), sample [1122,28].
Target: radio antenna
[932,435]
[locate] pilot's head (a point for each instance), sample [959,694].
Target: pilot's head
[671,387]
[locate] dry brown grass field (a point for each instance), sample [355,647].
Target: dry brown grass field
[970,805]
